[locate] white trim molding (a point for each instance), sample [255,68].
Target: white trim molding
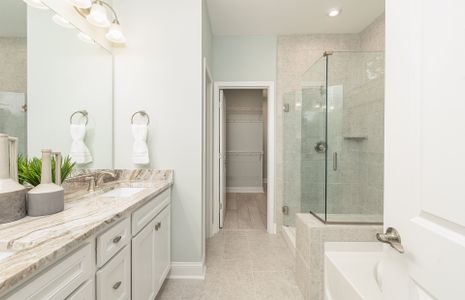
[187,270]
[271,145]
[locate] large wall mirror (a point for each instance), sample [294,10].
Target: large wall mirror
[56,86]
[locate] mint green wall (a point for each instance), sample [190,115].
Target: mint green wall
[245,58]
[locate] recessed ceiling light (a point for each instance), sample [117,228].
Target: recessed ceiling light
[334,12]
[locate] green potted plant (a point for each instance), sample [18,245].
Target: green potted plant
[29,171]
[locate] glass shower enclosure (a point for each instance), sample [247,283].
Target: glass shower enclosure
[340,150]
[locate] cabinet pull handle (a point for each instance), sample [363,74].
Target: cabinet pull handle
[157,226]
[117,285]
[117,239]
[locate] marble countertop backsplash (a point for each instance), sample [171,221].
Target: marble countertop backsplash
[35,243]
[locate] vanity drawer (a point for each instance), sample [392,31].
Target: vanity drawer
[113,240]
[60,280]
[146,213]
[114,280]
[85,292]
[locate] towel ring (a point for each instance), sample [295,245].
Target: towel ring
[84,114]
[142,113]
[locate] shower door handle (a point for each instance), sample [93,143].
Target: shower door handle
[335,161]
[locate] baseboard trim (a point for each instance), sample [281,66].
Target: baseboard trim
[257,189]
[187,270]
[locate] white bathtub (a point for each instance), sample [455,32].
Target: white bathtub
[351,271]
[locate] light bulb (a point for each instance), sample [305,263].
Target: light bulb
[36,4]
[62,21]
[81,3]
[98,15]
[334,12]
[115,34]
[85,38]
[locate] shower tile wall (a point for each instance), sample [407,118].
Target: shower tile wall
[295,55]
[13,88]
[13,64]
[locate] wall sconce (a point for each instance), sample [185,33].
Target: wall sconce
[96,13]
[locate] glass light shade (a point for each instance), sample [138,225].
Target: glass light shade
[115,34]
[85,38]
[36,4]
[62,21]
[98,15]
[81,3]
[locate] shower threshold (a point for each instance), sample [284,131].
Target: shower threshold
[350,219]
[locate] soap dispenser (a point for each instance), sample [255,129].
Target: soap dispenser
[48,197]
[12,194]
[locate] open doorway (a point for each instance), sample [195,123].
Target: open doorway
[244,148]
[243,138]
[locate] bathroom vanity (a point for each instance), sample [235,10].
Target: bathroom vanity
[113,243]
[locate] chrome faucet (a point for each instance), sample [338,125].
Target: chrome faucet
[100,176]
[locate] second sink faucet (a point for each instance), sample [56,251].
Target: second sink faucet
[96,180]
[101,175]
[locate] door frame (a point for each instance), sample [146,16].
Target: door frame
[271,147]
[207,193]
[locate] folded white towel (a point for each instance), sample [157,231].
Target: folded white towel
[79,152]
[140,150]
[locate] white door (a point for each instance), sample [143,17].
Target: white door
[222,157]
[425,149]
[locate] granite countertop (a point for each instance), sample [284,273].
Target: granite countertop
[34,243]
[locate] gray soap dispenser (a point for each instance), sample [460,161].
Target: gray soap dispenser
[48,197]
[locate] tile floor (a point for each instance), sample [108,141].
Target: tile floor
[243,261]
[245,211]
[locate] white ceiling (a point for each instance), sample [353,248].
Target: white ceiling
[274,17]
[13,18]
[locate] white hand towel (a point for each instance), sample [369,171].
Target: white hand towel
[79,152]
[140,150]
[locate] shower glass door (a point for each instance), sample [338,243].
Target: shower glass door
[355,134]
[314,144]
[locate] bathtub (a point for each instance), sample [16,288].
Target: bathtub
[352,271]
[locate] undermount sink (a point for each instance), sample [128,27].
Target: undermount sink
[123,192]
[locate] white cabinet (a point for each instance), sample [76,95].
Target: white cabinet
[143,260]
[162,246]
[114,279]
[85,292]
[151,256]
[60,280]
[130,260]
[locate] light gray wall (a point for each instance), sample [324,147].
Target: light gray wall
[160,71]
[244,58]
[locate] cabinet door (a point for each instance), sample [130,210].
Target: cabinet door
[162,245]
[144,281]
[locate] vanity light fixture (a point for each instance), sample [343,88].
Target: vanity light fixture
[334,12]
[61,21]
[115,34]
[81,3]
[98,15]
[36,4]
